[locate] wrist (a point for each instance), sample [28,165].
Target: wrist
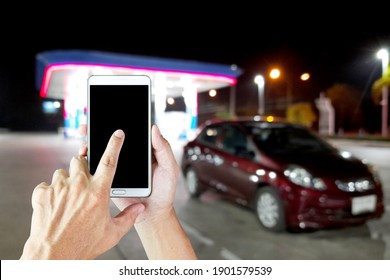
[164,238]
[36,251]
[157,219]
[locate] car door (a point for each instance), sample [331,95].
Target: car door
[236,174]
[207,150]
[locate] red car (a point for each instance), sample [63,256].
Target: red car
[291,177]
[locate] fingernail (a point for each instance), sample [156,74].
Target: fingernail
[159,132]
[119,133]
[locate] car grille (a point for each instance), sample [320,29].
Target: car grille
[360,185]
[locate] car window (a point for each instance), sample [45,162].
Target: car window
[210,136]
[234,141]
[287,139]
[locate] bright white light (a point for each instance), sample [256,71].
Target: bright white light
[170,101]
[259,80]
[254,178]
[260,172]
[194,157]
[211,132]
[345,154]
[272,175]
[212,93]
[383,54]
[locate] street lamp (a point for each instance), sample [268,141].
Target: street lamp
[383,54]
[275,74]
[259,80]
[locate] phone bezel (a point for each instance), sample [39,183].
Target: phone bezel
[124,80]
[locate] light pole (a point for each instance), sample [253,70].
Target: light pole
[383,54]
[259,80]
[275,74]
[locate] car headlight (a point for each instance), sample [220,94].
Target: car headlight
[300,176]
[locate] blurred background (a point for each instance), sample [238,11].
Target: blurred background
[339,60]
[325,71]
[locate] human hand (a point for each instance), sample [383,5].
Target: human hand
[158,226]
[165,173]
[71,216]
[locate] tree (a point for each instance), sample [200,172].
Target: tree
[301,113]
[346,101]
[376,88]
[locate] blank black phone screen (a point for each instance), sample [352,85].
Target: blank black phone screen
[123,107]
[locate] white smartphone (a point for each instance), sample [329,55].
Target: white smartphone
[122,102]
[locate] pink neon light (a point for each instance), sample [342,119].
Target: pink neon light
[49,70]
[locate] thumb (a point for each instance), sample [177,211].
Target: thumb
[126,219]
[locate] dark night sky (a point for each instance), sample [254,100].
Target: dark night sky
[332,50]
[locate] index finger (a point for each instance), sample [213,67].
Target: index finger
[108,163]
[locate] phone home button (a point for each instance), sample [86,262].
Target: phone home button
[118,192]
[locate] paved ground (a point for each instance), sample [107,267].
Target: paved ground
[230,232]
[27,160]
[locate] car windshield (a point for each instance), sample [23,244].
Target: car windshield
[274,138]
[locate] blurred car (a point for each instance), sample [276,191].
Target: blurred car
[288,175]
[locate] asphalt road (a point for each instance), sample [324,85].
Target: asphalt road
[217,229]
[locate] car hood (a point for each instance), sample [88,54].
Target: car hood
[331,164]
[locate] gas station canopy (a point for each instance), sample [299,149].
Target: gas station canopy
[63,75]
[53,69]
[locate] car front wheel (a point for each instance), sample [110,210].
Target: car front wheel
[269,209]
[192,183]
